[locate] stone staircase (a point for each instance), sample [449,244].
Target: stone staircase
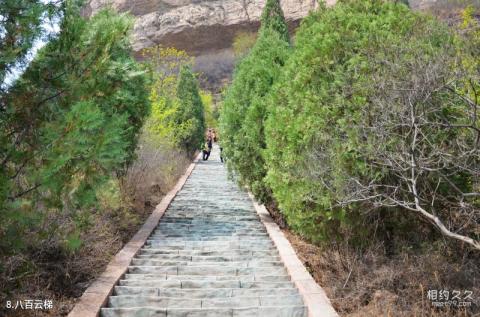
[210,255]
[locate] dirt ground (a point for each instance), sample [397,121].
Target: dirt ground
[370,283]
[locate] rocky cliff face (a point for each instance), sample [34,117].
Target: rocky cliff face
[206,28]
[203,28]
[197,26]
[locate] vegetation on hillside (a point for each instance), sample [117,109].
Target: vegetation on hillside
[178,112]
[362,118]
[243,109]
[365,135]
[190,112]
[160,126]
[82,83]
[71,162]
[374,116]
[22,22]
[242,43]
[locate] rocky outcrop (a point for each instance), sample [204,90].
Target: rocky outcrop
[206,28]
[197,26]
[203,28]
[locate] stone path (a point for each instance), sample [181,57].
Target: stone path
[209,256]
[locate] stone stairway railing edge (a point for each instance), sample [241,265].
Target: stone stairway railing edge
[96,295]
[315,298]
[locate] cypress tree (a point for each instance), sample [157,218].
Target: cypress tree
[244,109]
[190,110]
[273,19]
[68,124]
[21,25]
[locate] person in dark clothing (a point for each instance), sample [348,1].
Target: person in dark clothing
[210,144]
[221,154]
[206,151]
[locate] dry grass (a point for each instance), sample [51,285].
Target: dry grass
[47,270]
[447,10]
[153,173]
[370,283]
[51,272]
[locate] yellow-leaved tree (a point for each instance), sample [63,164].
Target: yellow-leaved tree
[160,127]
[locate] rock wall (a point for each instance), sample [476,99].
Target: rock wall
[206,28]
[203,28]
[197,26]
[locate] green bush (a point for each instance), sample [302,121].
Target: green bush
[69,124]
[273,19]
[337,115]
[162,126]
[190,112]
[244,109]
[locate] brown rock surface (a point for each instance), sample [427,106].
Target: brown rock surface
[203,28]
[206,28]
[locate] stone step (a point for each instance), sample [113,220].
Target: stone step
[204,292]
[230,233]
[199,284]
[186,197]
[200,195]
[176,233]
[196,218]
[218,248]
[216,223]
[221,234]
[194,258]
[239,264]
[244,278]
[217,217]
[208,211]
[213,219]
[224,240]
[196,237]
[192,244]
[210,230]
[128,301]
[206,270]
[174,209]
[209,256]
[228,253]
[278,311]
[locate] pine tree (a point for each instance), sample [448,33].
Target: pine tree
[70,122]
[190,111]
[21,25]
[273,19]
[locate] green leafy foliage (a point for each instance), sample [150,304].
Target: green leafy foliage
[243,43]
[21,24]
[69,123]
[210,109]
[329,135]
[244,109]
[273,19]
[190,112]
[160,127]
[327,110]
[178,113]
